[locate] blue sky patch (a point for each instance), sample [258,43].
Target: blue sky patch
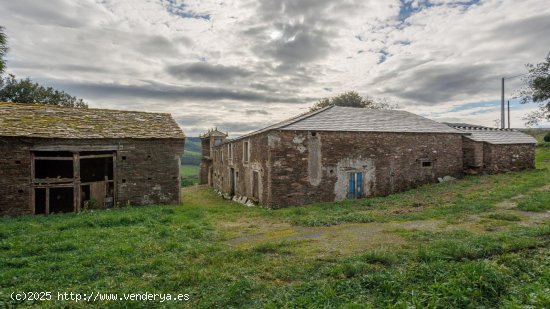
[177,8]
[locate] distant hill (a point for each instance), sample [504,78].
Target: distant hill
[192,153]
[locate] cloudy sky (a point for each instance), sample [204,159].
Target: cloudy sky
[240,64]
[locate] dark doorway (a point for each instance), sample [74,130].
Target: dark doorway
[44,169]
[231,181]
[61,200]
[39,201]
[96,169]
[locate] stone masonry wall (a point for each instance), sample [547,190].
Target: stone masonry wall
[309,167]
[504,158]
[258,162]
[147,170]
[472,154]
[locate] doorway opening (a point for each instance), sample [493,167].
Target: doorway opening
[355,186]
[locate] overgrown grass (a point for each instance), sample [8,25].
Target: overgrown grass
[538,201]
[185,249]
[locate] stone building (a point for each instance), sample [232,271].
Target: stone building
[336,153]
[339,153]
[208,141]
[58,159]
[489,150]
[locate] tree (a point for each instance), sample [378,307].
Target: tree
[3,50]
[353,99]
[26,91]
[537,90]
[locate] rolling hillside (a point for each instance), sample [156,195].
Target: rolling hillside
[190,162]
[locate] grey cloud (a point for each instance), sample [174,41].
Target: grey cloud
[206,72]
[45,12]
[240,127]
[161,45]
[256,112]
[441,83]
[152,90]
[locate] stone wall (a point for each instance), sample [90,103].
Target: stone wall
[472,155]
[258,162]
[300,167]
[504,158]
[311,167]
[147,170]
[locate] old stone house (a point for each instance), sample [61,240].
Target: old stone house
[489,150]
[341,153]
[58,159]
[208,141]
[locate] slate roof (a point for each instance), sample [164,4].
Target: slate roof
[47,121]
[336,118]
[497,136]
[368,120]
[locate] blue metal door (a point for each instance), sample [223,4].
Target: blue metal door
[351,187]
[359,184]
[355,186]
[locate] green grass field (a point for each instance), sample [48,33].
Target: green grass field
[483,241]
[189,175]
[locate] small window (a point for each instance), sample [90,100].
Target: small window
[217,141]
[426,163]
[17,161]
[313,133]
[123,158]
[246,151]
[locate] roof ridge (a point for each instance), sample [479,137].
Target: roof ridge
[79,108]
[305,116]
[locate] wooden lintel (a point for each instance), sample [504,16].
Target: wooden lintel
[54,158]
[53,180]
[73,148]
[96,156]
[47,186]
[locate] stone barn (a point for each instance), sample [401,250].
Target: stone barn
[58,159]
[489,150]
[334,154]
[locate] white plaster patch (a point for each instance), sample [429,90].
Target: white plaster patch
[273,140]
[354,165]
[301,148]
[298,139]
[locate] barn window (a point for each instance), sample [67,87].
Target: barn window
[246,151]
[426,163]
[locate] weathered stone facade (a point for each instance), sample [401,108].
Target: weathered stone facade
[498,158]
[146,171]
[490,158]
[301,167]
[59,159]
[338,153]
[208,141]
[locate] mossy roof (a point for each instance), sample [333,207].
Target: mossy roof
[47,121]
